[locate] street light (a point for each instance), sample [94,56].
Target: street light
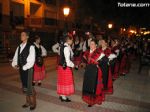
[66,11]
[110,26]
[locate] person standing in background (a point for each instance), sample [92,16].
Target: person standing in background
[39,68]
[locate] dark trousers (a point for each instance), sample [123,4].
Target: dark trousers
[26,80]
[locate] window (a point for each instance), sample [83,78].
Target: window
[50,21]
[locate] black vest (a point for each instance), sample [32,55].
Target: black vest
[38,58]
[38,51]
[62,60]
[22,57]
[87,45]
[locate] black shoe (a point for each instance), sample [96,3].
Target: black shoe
[76,68]
[32,107]
[66,100]
[113,79]
[89,105]
[105,88]
[62,100]
[25,106]
[123,74]
[39,84]
[60,97]
[33,83]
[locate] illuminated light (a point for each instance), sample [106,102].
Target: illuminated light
[66,11]
[138,35]
[146,32]
[141,32]
[110,26]
[133,31]
[143,28]
[74,32]
[124,29]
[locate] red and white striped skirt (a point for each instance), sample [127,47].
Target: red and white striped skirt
[65,81]
[39,73]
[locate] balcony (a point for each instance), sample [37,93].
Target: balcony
[34,22]
[40,22]
[50,21]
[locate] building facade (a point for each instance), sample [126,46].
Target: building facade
[41,17]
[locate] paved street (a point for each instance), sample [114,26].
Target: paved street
[131,93]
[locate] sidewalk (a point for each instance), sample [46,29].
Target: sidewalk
[131,93]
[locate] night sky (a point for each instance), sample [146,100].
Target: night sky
[108,10]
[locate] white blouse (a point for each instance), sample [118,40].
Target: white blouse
[56,48]
[68,53]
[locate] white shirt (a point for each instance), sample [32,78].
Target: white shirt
[30,58]
[84,45]
[56,48]
[111,56]
[81,46]
[44,52]
[117,51]
[68,53]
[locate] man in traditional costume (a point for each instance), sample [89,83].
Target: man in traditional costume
[23,60]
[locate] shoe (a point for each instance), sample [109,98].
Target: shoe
[33,101]
[113,79]
[32,107]
[60,97]
[105,88]
[89,105]
[39,84]
[25,106]
[76,68]
[123,74]
[33,83]
[66,100]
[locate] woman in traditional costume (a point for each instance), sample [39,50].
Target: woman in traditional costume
[92,84]
[105,67]
[65,81]
[39,68]
[115,63]
[77,49]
